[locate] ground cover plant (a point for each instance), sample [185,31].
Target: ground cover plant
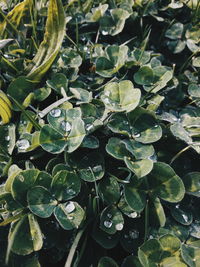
[100,133]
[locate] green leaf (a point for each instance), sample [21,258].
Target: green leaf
[140,167]
[50,46]
[131,261]
[107,262]
[144,76]
[109,190]
[121,96]
[114,24]
[145,128]
[191,255]
[175,32]
[165,184]
[115,57]
[138,150]
[192,183]
[194,90]
[182,214]
[65,185]
[58,81]
[25,236]
[91,167]
[150,253]
[69,215]
[41,202]
[104,239]
[170,243]
[19,89]
[7,138]
[160,213]
[22,183]
[111,220]
[51,140]
[116,148]
[135,197]
[178,131]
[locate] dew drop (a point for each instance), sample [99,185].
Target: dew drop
[97,168]
[7,138]
[70,217]
[133,234]
[21,178]
[177,206]
[89,127]
[70,191]
[69,207]
[55,112]
[23,144]
[109,215]
[107,224]
[136,135]
[106,101]
[185,217]
[104,32]
[133,214]
[156,126]
[66,126]
[119,226]
[107,93]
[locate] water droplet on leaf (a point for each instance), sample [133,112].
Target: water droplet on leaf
[107,224]
[104,32]
[119,226]
[66,126]
[23,144]
[97,168]
[69,207]
[7,138]
[109,215]
[55,112]
[133,214]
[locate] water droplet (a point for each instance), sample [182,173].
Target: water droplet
[106,101]
[107,93]
[66,126]
[133,234]
[55,112]
[156,126]
[185,217]
[133,214]
[70,191]
[7,138]
[177,206]
[119,226]
[23,144]
[136,135]
[21,178]
[109,215]
[69,207]
[107,224]
[104,32]
[97,168]
[70,217]
[89,127]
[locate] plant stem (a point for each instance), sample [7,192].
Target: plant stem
[146,222]
[179,153]
[73,248]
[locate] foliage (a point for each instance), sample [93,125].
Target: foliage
[99,134]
